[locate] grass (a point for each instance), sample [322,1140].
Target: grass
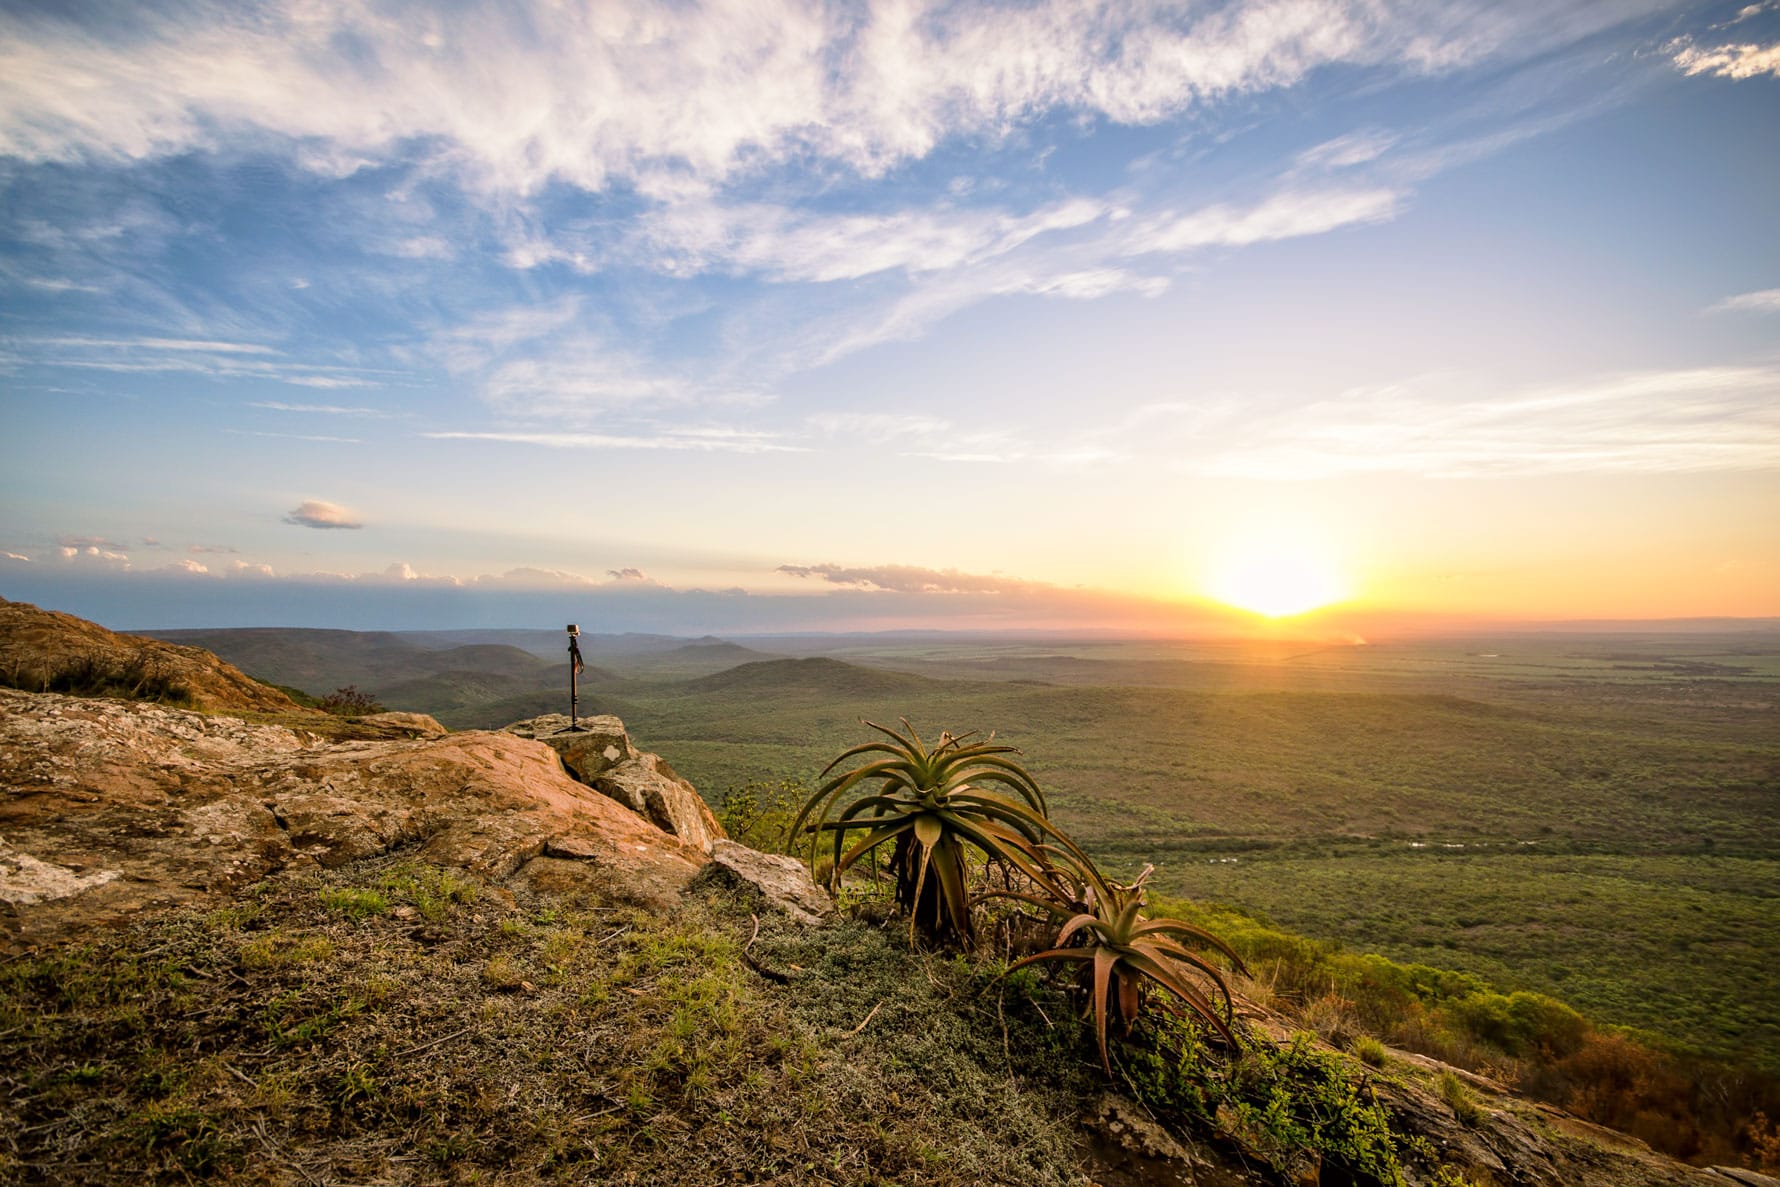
[482,1037]
[499,1036]
[1458,1098]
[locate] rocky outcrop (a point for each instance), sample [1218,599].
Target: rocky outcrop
[44,651]
[411,725]
[599,753]
[775,880]
[109,809]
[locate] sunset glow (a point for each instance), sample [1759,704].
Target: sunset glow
[988,315]
[1277,582]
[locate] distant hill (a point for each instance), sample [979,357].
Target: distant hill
[702,657]
[817,674]
[552,644]
[319,661]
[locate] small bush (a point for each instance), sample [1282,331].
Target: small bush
[1458,1098]
[759,814]
[137,676]
[349,702]
[1369,1051]
[355,903]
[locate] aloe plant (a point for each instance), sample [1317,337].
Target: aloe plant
[935,804]
[1121,951]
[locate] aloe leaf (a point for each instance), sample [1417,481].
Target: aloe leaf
[1104,960]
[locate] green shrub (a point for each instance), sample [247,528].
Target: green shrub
[759,814]
[1458,1098]
[349,702]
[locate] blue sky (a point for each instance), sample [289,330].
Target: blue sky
[730,316]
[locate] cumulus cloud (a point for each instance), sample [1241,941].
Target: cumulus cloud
[1765,301]
[314,513]
[187,566]
[532,577]
[1729,61]
[15,556]
[912,579]
[92,554]
[199,549]
[627,575]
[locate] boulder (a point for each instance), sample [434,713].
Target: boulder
[777,881]
[112,808]
[592,747]
[599,753]
[405,725]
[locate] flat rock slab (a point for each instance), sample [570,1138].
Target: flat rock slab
[109,809]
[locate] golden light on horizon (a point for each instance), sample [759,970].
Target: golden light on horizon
[1277,578]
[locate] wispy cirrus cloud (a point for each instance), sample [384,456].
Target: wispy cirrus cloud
[789,245]
[319,409]
[1712,418]
[692,439]
[1288,215]
[1764,301]
[913,579]
[661,93]
[172,356]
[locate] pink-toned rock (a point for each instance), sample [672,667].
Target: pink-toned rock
[600,754]
[111,808]
[409,725]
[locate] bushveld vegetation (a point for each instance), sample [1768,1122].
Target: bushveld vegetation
[1692,1106]
[1521,834]
[137,676]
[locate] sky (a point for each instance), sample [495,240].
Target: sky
[742,316]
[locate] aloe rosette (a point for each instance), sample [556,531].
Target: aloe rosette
[934,804]
[1120,950]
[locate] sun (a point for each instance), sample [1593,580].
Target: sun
[1277,580]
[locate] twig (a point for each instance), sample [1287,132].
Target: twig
[429,1046]
[868,1018]
[770,974]
[1007,1052]
[259,1127]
